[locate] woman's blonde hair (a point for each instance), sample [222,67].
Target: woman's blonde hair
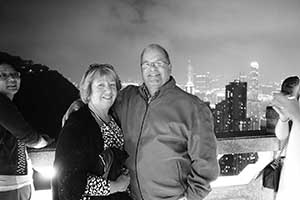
[85,86]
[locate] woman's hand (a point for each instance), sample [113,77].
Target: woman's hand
[289,106]
[281,114]
[121,184]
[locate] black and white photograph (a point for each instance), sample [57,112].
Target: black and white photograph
[149,99]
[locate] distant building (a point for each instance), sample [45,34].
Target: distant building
[268,89]
[243,77]
[190,87]
[236,97]
[219,116]
[230,114]
[253,104]
[203,82]
[253,81]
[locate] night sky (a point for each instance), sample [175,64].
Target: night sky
[219,36]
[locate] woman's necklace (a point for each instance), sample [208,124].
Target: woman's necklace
[99,120]
[104,118]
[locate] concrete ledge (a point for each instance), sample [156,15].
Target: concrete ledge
[251,191]
[248,144]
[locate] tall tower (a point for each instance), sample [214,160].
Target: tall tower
[253,81]
[190,87]
[253,102]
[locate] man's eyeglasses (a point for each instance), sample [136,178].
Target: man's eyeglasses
[4,75]
[157,64]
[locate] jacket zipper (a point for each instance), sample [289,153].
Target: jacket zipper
[137,147]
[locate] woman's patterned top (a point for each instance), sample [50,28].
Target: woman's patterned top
[113,137]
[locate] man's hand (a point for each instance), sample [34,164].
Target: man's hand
[76,105]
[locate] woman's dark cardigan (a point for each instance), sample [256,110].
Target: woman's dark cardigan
[77,154]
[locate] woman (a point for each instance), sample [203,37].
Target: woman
[287,105]
[15,135]
[290,86]
[86,135]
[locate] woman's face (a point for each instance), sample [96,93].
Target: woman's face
[103,91]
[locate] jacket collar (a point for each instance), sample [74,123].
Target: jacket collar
[171,83]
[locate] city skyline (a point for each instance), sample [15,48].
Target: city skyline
[221,37]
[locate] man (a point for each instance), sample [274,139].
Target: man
[15,133]
[168,134]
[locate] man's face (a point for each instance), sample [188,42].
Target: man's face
[9,80]
[156,69]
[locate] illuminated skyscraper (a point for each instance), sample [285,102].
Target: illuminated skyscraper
[203,82]
[190,87]
[253,81]
[219,116]
[230,114]
[236,98]
[253,102]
